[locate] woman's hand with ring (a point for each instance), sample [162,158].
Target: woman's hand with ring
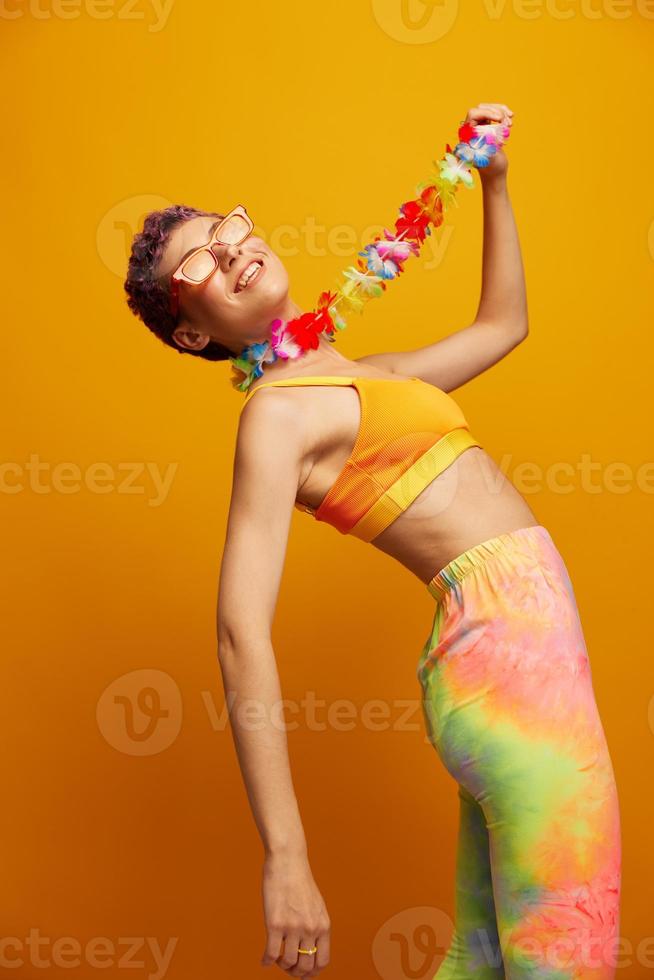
[296,917]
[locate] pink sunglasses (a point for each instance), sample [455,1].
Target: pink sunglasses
[202,262]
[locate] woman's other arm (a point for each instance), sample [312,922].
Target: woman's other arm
[267,469]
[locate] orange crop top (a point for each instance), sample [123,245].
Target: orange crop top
[410,431]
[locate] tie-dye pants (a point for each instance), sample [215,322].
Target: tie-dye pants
[510,708]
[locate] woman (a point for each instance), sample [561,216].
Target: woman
[504,673]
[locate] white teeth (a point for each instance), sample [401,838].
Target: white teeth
[247,274]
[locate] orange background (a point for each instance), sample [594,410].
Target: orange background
[328,114]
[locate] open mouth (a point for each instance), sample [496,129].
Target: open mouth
[249,275]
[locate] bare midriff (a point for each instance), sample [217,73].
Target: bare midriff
[470,502]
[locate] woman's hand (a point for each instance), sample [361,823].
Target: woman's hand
[492,112]
[295,915]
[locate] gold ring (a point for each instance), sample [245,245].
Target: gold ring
[309,952]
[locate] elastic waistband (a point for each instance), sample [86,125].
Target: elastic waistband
[474,557]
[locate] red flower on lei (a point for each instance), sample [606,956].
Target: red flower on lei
[466,133]
[306,328]
[303,331]
[413,222]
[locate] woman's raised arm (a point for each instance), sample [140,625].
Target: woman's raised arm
[501,322]
[267,469]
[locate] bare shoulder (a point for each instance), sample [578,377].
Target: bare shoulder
[271,434]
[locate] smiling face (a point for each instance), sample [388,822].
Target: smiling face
[222,308]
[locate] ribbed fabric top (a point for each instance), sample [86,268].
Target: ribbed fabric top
[400,421]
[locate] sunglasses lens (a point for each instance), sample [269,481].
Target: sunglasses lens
[234,230]
[199,266]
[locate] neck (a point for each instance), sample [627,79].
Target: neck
[287,310]
[287,339]
[323,360]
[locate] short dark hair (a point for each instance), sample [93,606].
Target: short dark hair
[147,296]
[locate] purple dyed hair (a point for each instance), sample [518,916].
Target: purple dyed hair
[148,297]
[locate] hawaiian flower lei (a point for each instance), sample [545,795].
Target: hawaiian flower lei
[379,261]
